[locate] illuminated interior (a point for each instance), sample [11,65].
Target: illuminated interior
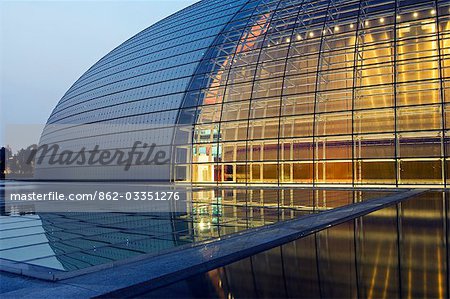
[322,93]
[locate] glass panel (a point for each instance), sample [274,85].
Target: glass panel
[375,172]
[420,172]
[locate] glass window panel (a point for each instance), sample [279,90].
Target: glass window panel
[298,126]
[416,70]
[265,108]
[371,32]
[212,96]
[335,79]
[376,75]
[202,173]
[297,149]
[419,118]
[245,59]
[378,54]
[334,148]
[208,114]
[241,74]
[273,53]
[270,151]
[375,172]
[228,173]
[341,41]
[445,45]
[256,152]
[276,38]
[304,45]
[302,172]
[447,116]
[287,171]
[375,146]
[447,93]
[270,173]
[334,172]
[241,152]
[301,65]
[229,152]
[235,111]
[338,59]
[181,173]
[241,173]
[256,172]
[374,121]
[418,93]
[233,131]
[297,104]
[420,172]
[374,97]
[334,101]
[334,123]
[420,145]
[238,92]
[268,88]
[267,70]
[264,129]
[206,133]
[304,83]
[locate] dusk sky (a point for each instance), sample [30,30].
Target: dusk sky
[47,45]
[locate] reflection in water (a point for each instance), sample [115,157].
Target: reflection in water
[400,251]
[82,240]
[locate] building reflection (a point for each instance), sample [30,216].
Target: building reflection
[220,211]
[397,252]
[82,240]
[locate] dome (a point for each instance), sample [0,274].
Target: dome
[293,92]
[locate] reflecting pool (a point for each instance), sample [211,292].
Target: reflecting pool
[398,252]
[67,241]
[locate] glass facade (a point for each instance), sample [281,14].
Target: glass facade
[285,92]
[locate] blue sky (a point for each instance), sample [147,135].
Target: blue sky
[45,46]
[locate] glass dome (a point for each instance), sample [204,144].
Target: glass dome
[293,92]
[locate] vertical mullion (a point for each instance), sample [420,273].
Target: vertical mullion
[443,140]
[442,95]
[356,220]
[280,168]
[355,74]
[316,89]
[394,60]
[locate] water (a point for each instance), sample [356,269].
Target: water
[67,241]
[398,252]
